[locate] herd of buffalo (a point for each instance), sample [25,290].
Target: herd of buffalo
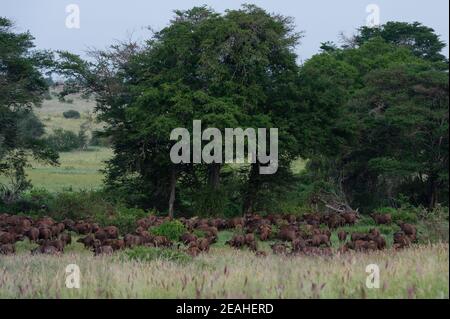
[289,234]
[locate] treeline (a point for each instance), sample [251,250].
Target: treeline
[370,116]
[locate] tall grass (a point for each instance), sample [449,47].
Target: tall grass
[418,272]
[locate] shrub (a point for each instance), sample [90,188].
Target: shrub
[94,205]
[71,114]
[123,218]
[79,205]
[406,213]
[63,141]
[98,140]
[406,216]
[170,229]
[386,210]
[147,254]
[434,225]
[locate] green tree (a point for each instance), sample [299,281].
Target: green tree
[22,86]
[420,39]
[395,108]
[403,111]
[233,70]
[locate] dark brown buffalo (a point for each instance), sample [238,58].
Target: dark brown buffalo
[382,219]
[33,234]
[237,241]
[131,240]
[287,234]
[409,230]
[265,232]
[82,228]
[7,238]
[187,238]
[66,238]
[279,248]
[350,217]
[112,232]
[87,241]
[193,251]
[358,236]
[100,249]
[342,235]
[319,240]
[101,234]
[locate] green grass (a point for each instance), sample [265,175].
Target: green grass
[77,170]
[51,113]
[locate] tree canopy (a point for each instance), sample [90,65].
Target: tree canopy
[371,116]
[22,86]
[397,108]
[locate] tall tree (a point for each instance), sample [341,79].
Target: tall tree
[233,70]
[396,109]
[22,87]
[420,39]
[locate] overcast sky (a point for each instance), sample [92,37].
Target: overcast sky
[104,21]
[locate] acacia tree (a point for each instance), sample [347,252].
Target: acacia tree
[22,86]
[231,70]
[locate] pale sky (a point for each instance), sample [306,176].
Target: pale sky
[104,21]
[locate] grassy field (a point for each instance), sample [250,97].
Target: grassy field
[418,272]
[77,169]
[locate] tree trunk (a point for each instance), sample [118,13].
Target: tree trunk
[173,182]
[252,189]
[432,193]
[214,175]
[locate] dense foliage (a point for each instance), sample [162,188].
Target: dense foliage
[233,70]
[395,106]
[64,141]
[370,117]
[22,86]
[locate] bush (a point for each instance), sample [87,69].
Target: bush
[80,205]
[98,140]
[405,216]
[63,141]
[123,218]
[407,213]
[147,254]
[71,114]
[94,205]
[170,229]
[434,225]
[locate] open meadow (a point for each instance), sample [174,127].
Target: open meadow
[77,169]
